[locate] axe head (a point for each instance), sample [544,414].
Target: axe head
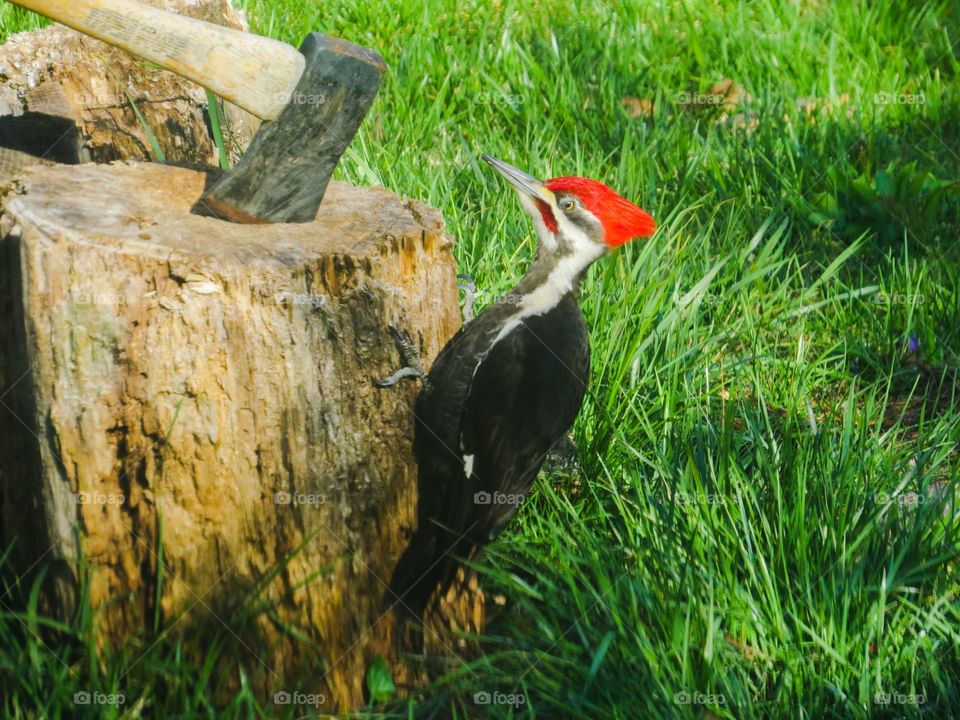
[283,174]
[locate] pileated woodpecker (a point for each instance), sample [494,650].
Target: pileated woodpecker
[509,384]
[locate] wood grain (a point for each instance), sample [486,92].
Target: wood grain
[254,72]
[178,381]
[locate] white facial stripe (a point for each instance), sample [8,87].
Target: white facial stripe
[582,244]
[560,280]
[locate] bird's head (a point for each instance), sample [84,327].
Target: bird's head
[575,214]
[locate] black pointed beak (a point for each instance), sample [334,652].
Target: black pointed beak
[524,183]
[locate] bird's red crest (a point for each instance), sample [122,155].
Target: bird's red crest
[622,220]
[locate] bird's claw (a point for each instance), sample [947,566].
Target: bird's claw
[405,372]
[409,355]
[469,287]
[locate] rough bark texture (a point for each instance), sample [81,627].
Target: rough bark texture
[66,97]
[180,386]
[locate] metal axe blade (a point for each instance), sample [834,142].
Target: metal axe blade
[285,171]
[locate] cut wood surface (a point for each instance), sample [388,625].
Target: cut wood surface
[66,97]
[186,405]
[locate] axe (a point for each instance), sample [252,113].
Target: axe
[312,99]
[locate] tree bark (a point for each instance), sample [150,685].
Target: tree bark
[186,411]
[69,98]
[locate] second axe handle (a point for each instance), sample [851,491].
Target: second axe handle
[257,73]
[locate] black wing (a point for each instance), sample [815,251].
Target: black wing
[524,396]
[499,410]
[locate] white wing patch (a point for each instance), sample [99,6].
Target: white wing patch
[468,465]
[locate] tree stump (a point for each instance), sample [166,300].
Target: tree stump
[68,98]
[187,414]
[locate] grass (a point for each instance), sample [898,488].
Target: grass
[763,524]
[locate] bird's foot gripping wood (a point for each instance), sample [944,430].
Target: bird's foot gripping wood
[409,355]
[469,287]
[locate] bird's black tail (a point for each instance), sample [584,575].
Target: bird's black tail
[424,573]
[417,575]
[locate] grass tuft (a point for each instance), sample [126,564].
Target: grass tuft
[765,523]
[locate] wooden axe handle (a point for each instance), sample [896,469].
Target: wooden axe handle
[257,73]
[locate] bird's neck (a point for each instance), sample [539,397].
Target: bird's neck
[551,277]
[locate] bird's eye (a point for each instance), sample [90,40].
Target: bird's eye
[567,204]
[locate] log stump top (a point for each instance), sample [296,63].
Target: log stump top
[145,208]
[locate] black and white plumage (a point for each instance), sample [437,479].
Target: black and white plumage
[507,387]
